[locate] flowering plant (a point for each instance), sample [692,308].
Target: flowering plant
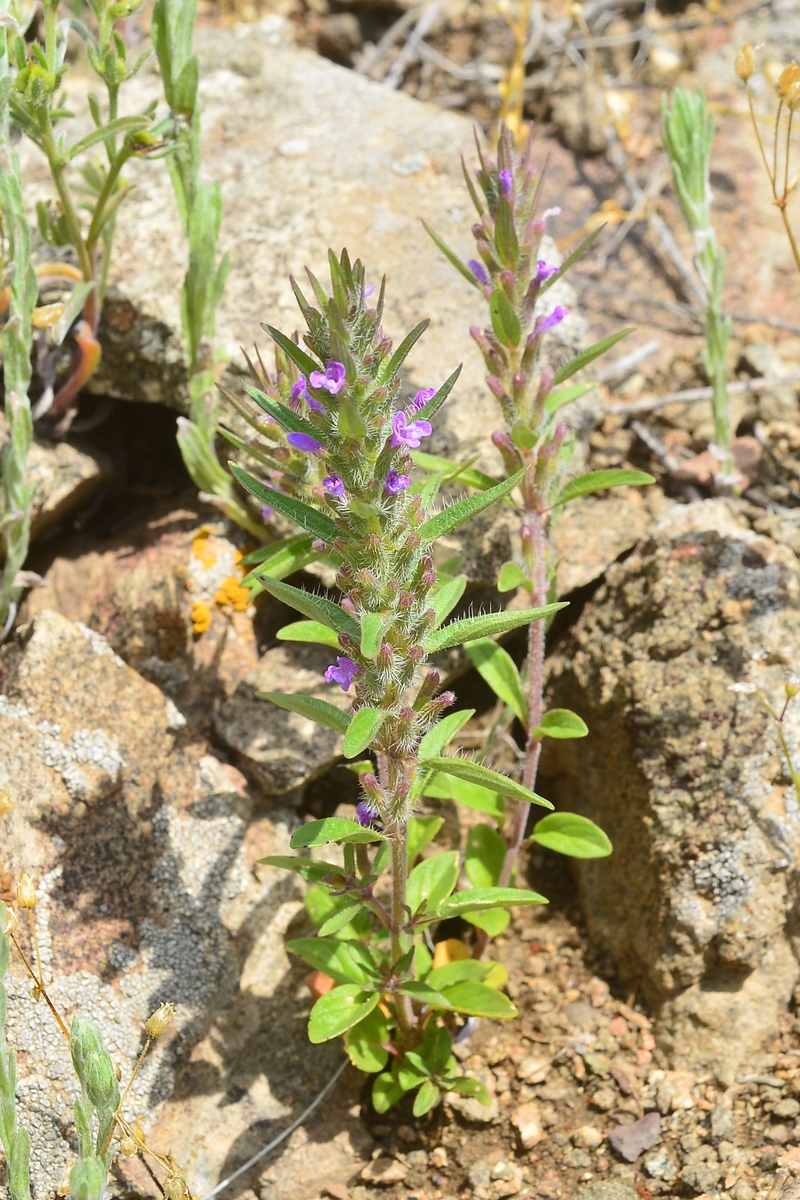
[396,1010]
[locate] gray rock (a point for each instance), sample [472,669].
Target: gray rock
[283,750]
[65,478]
[606,1189]
[631,1140]
[144,849]
[660,1164]
[662,665]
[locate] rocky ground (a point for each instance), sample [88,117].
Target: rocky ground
[655,1052]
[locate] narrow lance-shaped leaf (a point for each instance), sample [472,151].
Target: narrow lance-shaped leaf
[586,356]
[309,631]
[461,791]
[452,258]
[457,514]
[316,608]
[371,630]
[429,410]
[444,600]
[464,768]
[457,633]
[285,417]
[292,351]
[497,667]
[309,518]
[332,829]
[478,899]
[599,481]
[362,730]
[390,369]
[577,253]
[309,706]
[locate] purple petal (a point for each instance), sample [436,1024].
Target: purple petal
[422,397]
[304,442]
[334,485]
[479,271]
[506,182]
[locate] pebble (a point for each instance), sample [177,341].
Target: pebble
[659,1164]
[535,1069]
[604,1099]
[786,1108]
[587,1136]
[527,1120]
[384,1170]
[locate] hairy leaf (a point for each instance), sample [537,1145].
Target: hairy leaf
[309,706]
[362,730]
[308,631]
[332,829]
[497,667]
[457,514]
[464,768]
[469,629]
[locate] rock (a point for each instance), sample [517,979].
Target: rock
[631,1141]
[339,38]
[533,1069]
[675,1091]
[662,665]
[604,1099]
[384,1170]
[527,1120]
[587,1137]
[606,1189]
[659,1164]
[138,591]
[144,849]
[64,476]
[701,1176]
[591,533]
[723,1122]
[283,750]
[786,1109]
[779,403]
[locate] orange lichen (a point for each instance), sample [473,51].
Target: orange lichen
[201,549]
[201,617]
[231,593]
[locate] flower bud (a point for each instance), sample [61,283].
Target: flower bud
[416,654]
[792,98]
[26,892]
[792,687]
[745,63]
[788,77]
[9,920]
[158,1022]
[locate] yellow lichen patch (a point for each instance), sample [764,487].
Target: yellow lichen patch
[231,593]
[201,549]
[201,617]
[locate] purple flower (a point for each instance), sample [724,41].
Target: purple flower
[343,673]
[555,318]
[395,482]
[299,392]
[506,182]
[266,512]
[544,271]
[304,442]
[479,271]
[405,433]
[369,289]
[333,379]
[333,485]
[365,813]
[421,399]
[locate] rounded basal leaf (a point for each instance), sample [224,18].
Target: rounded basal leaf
[471,1087]
[464,971]
[339,1010]
[510,576]
[386,1091]
[568,833]
[498,668]
[561,723]
[493,921]
[344,961]
[425,1098]
[332,829]
[365,1042]
[478,1000]
[484,857]
[432,880]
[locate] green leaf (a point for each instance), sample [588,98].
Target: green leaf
[484,856]
[309,868]
[351,423]
[308,631]
[557,400]
[444,600]
[459,474]
[386,1091]
[429,410]
[511,576]
[568,833]
[425,1098]
[492,921]
[423,993]
[497,667]
[505,234]
[364,1042]
[434,742]
[288,550]
[309,706]
[345,962]
[505,322]
[457,514]
[561,723]
[421,832]
[286,417]
[432,881]
[598,481]
[390,369]
[316,608]
[464,768]
[466,1086]
[332,829]
[471,795]
[465,970]
[469,629]
[362,730]
[339,1010]
[478,1000]
[341,918]
[292,351]
[583,359]
[479,899]
[371,632]
[110,130]
[452,258]
[317,524]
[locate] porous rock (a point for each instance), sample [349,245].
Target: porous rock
[144,848]
[683,769]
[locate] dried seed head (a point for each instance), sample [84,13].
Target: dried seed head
[127,1147]
[26,892]
[174,1187]
[9,921]
[792,97]
[158,1022]
[745,63]
[788,78]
